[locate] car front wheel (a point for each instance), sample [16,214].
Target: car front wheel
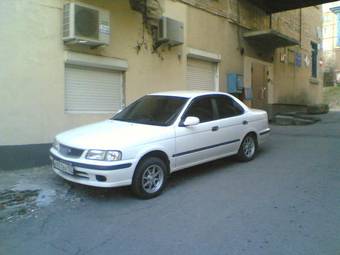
[150,178]
[247,149]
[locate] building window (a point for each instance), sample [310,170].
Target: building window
[338,29]
[314,60]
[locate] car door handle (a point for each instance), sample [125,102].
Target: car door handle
[245,122]
[214,129]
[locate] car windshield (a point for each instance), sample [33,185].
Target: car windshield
[153,110]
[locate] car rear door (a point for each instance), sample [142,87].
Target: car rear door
[232,124]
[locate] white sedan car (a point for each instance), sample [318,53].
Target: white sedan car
[156,135]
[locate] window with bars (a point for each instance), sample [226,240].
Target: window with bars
[314,59]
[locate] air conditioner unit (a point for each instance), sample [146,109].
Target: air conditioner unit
[170,31]
[85,24]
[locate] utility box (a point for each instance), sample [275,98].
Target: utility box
[170,31]
[235,83]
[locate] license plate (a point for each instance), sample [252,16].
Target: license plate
[67,168]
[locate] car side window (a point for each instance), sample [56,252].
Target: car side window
[201,108]
[227,107]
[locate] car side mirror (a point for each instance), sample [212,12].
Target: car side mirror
[191,121]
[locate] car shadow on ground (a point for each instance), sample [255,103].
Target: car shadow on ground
[96,193]
[176,179]
[201,171]
[210,168]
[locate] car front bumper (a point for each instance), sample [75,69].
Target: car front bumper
[98,174]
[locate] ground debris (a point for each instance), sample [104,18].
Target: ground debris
[15,203]
[13,197]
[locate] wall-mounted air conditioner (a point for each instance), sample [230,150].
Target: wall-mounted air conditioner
[170,31]
[85,24]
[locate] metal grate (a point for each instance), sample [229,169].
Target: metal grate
[66,21]
[86,22]
[69,151]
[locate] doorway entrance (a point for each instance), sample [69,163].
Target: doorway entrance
[259,86]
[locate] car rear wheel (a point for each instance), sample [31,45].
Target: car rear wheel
[150,178]
[247,149]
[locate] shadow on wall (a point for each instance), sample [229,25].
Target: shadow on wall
[24,156]
[300,99]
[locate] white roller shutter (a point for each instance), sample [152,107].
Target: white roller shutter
[201,74]
[92,90]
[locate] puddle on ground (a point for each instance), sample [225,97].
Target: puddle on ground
[24,200]
[24,192]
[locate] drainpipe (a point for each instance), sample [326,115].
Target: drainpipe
[300,28]
[240,48]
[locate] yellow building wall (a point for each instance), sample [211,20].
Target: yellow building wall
[32,75]
[293,84]
[219,19]
[32,70]
[216,35]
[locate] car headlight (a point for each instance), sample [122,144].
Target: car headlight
[104,155]
[56,145]
[96,154]
[113,155]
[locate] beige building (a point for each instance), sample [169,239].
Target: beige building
[330,43]
[48,86]
[329,38]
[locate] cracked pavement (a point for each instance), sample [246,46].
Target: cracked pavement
[286,201]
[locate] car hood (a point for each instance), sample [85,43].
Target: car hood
[113,135]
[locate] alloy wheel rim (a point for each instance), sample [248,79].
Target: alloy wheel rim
[153,178]
[249,147]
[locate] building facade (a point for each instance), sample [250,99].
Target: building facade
[331,42]
[48,86]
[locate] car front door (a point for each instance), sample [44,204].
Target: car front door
[197,144]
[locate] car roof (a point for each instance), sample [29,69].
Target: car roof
[187,93]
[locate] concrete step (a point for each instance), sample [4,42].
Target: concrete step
[318,109]
[294,120]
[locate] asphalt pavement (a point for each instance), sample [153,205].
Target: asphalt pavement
[286,201]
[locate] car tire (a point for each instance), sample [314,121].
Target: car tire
[247,149]
[150,178]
